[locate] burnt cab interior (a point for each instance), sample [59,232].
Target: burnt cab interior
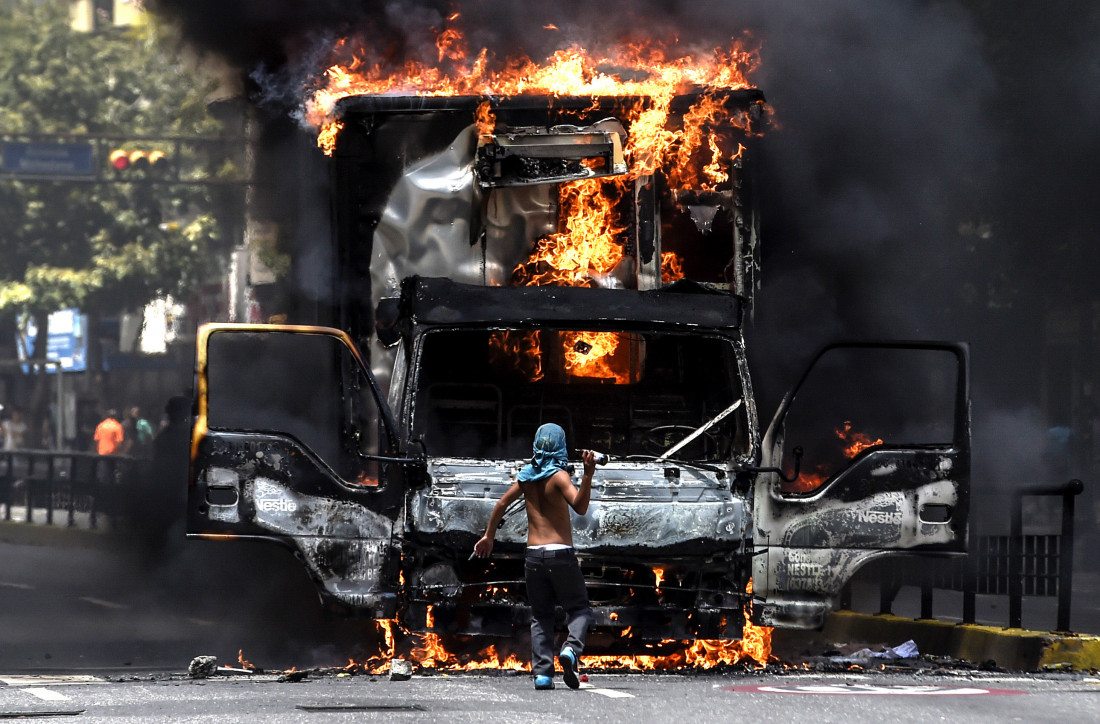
[484,392]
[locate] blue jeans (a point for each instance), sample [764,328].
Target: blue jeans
[554,579]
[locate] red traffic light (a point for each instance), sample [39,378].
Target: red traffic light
[123,160]
[119,159]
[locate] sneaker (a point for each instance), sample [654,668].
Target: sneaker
[568,661]
[543,682]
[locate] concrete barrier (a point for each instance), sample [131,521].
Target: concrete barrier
[1008,648]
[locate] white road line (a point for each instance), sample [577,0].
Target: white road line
[23,586]
[46,694]
[35,680]
[104,604]
[609,693]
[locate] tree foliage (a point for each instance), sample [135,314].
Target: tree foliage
[106,246]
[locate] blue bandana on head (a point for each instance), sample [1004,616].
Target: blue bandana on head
[550,454]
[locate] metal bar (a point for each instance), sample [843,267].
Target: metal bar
[72,493]
[970,586]
[49,490]
[59,419]
[1016,563]
[28,487]
[926,599]
[713,421]
[1065,554]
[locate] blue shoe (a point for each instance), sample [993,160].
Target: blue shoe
[568,661]
[543,682]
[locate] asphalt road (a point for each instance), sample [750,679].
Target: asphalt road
[71,609]
[85,608]
[784,697]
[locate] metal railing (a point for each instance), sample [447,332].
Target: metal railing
[65,482]
[1013,564]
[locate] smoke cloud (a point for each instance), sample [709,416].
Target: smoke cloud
[923,179]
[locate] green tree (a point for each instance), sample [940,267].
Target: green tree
[104,247]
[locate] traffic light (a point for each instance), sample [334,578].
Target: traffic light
[124,160]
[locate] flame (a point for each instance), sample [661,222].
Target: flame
[518,350]
[650,71]
[671,267]
[241,662]
[485,119]
[857,442]
[365,479]
[326,137]
[659,575]
[592,354]
[429,651]
[852,444]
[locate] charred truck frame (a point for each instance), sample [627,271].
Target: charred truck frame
[383,495]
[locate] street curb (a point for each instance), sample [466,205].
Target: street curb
[1009,648]
[57,536]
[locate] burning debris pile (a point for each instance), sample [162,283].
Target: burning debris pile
[402,653]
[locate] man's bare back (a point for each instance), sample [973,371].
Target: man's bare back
[548,502]
[548,510]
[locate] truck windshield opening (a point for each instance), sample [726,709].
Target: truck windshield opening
[483,393]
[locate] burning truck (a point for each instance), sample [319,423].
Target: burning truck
[587,259]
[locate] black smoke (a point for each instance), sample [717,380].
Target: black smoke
[928,175]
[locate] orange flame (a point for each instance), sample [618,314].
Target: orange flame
[671,267]
[857,441]
[485,119]
[571,71]
[592,354]
[429,651]
[852,444]
[659,575]
[519,350]
[241,662]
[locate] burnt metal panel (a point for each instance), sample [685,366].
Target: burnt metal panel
[442,301]
[635,508]
[277,490]
[525,109]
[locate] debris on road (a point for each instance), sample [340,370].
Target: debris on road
[907,650]
[202,666]
[400,670]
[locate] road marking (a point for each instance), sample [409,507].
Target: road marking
[21,586]
[32,680]
[609,693]
[872,690]
[46,694]
[104,604]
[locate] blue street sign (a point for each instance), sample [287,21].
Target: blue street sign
[48,159]
[66,341]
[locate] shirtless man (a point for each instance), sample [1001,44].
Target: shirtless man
[552,572]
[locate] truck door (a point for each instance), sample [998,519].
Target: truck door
[882,430]
[293,443]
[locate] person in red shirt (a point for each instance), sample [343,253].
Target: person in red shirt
[108,434]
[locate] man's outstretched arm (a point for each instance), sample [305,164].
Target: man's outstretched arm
[578,498]
[484,547]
